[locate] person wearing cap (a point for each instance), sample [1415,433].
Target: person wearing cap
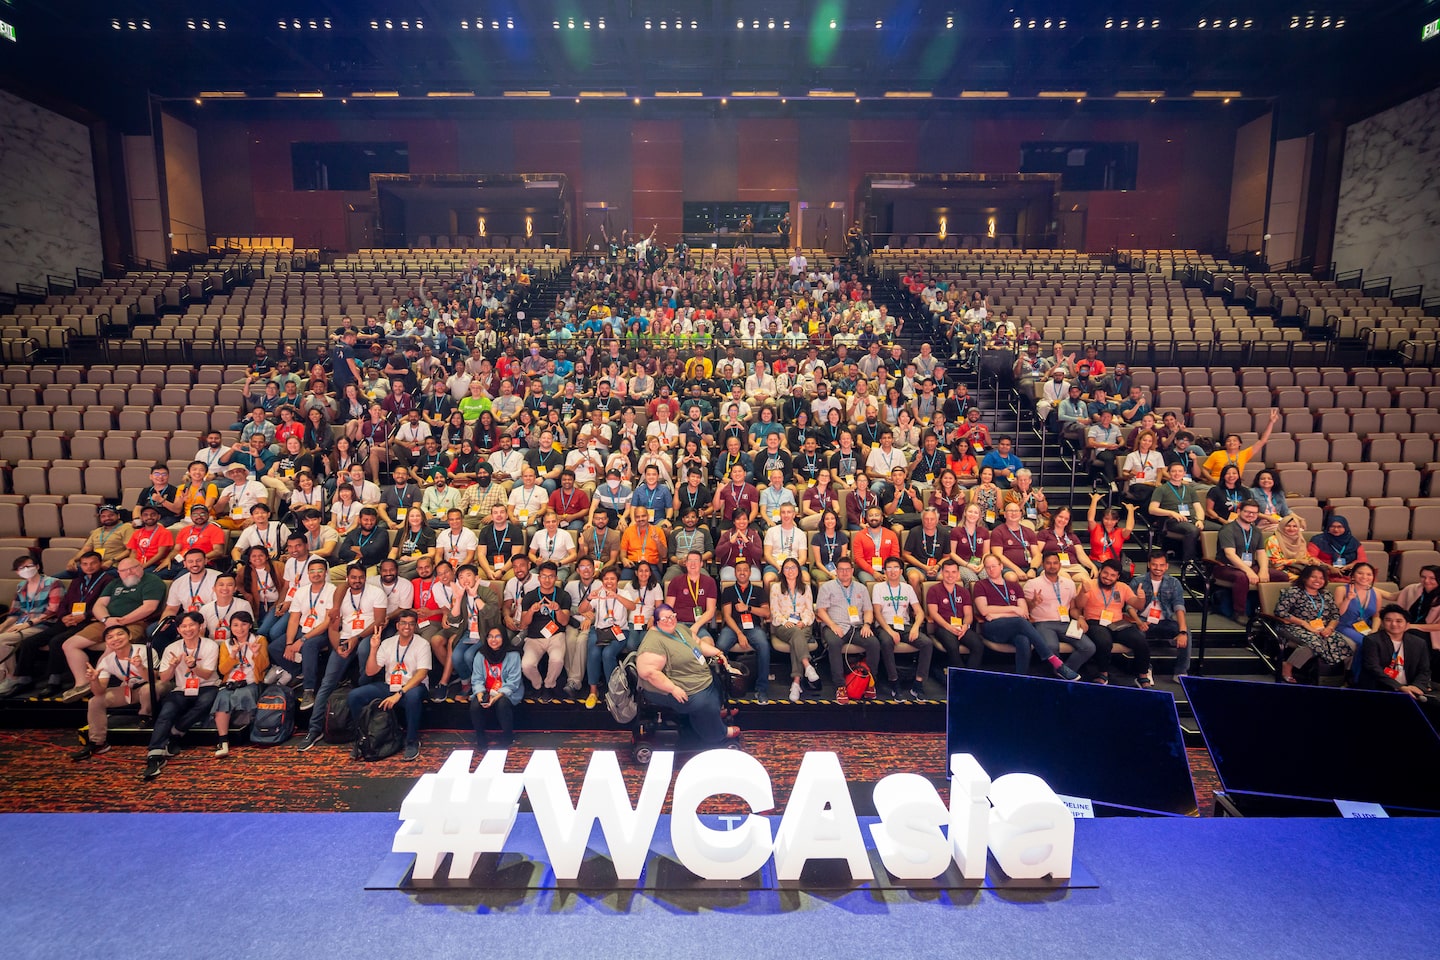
[149,542]
[438,500]
[234,503]
[200,533]
[111,540]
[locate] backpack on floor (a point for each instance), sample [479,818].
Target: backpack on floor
[274,716]
[338,728]
[619,695]
[379,733]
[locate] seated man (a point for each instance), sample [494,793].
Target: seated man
[899,613]
[1005,618]
[402,662]
[949,617]
[1176,503]
[544,614]
[1394,658]
[130,601]
[1108,607]
[1051,600]
[125,663]
[745,613]
[843,608]
[192,664]
[1159,601]
[1246,564]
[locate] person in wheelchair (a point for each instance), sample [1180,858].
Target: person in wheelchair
[674,675]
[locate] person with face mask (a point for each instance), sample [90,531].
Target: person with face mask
[35,610]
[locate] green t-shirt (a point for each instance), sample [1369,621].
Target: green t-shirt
[684,664]
[1167,498]
[472,407]
[126,600]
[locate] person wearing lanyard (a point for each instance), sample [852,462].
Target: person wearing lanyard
[545,612]
[311,610]
[1176,502]
[1005,619]
[1394,658]
[842,606]
[1107,605]
[555,545]
[402,662]
[949,615]
[1051,600]
[609,611]
[827,547]
[457,544]
[366,545]
[219,611]
[899,614]
[128,665]
[1241,546]
[744,611]
[498,546]
[673,671]
[1017,550]
[191,662]
[694,598]
[690,536]
[570,503]
[795,617]
[497,689]
[652,498]
[783,541]
[243,664]
[1159,604]
[925,547]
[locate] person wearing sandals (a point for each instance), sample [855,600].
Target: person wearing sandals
[243,663]
[673,672]
[1310,622]
[1108,607]
[498,689]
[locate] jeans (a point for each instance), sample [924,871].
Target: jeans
[601,658]
[411,701]
[178,713]
[1054,632]
[1019,632]
[760,641]
[500,714]
[700,713]
[1169,631]
[278,658]
[335,670]
[272,624]
[952,645]
[462,658]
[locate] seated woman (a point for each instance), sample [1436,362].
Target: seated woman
[1421,601]
[970,544]
[1359,603]
[1271,496]
[243,663]
[1222,503]
[963,463]
[1310,623]
[949,498]
[498,689]
[829,543]
[1075,563]
[1143,469]
[1288,549]
[674,675]
[792,617]
[1337,548]
[987,494]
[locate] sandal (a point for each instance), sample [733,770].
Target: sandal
[732,733]
[1145,680]
[1284,678]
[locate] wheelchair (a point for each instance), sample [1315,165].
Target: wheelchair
[656,727]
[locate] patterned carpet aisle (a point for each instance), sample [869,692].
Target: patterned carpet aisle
[38,775]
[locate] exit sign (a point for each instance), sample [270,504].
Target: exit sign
[1430,31]
[7,30]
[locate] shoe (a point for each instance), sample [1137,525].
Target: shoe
[355,752]
[592,701]
[310,740]
[917,693]
[153,766]
[50,691]
[307,700]
[172,749]
[9,686]
[869,694]
[795,692]
[1065,673]
[1178,677]
[573,689]
[841,694]
[889,691]
[272,675]
[223,750]
[810,673]
[762,697]
[1145,680]
[74,693]
[412,751]
[287,680]
[90,749]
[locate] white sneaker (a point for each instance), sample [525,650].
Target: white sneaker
[271,675]
[795,692]
[223,750]
[285,678]
[810,673]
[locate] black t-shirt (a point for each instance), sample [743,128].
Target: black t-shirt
[920,544]
[437,406]
[753,595]
[765,461]
[500,543]
[413,541]
[541,619]
[699,499]
[343,354]
[400,497]
[543,461]
[149,497]
[367,548]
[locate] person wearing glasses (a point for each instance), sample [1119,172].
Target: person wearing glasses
[675,675]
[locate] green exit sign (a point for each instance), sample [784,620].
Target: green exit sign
[1430,31]
[7,30]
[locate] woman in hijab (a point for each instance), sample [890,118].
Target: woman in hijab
[1337,549]
[1288,549]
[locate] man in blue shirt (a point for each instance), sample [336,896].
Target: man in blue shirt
[1003,461]
[654,497]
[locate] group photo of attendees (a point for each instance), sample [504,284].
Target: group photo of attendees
[447,503]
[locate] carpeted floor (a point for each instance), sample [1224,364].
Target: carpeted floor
[40,777]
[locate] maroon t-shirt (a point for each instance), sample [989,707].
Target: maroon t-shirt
[678,594]
[967,549]
[1016,546]
[1004,595]
[949,603]
[733,499]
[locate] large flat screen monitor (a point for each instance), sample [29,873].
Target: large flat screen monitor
[1120,747]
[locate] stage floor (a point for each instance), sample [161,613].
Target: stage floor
[291,885]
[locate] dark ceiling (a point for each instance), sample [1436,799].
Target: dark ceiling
[1360,53]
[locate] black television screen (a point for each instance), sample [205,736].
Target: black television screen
[1117,746]
[1319,743]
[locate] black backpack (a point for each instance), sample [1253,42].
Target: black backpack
[379,733]
[274,716]
[338,728]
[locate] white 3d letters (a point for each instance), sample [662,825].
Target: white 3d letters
[1032,833]
[819,821]
[721,854]
[565,830]
[969,815]
[460,813]
[908,837]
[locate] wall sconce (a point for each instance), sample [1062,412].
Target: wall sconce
[944,225]
[529,228]
[990,228]
[481,226]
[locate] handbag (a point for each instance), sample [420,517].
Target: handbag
[858,681]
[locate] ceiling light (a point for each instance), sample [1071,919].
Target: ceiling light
[190,24]
[404,24]
[389,25]
[1203,24]
[1062,24]
[879,24]
[283,25]
[984,94]
[679,24]
[950,23]
[1249,24]
[1124,24]
[570,23]
[739,24]
[586,24]
[1155,23]
[695,24]
[1324,24]
[664,25]
[295,23]
[314,25]
[419,24]
[1109,22]
[770,24]
[637,101]
[509,23]
[786,24]
[755,25]
[1294,22]
[832,24]
[1048,24]
[647,24]
[600,23]
[145,24]
[1234,23]
[494,24]
[114,24]
[1030,25]
[1061,94]
[326,22]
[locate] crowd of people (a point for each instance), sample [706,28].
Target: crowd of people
[446,503]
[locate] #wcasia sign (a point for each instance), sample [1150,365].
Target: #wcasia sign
[1016,818]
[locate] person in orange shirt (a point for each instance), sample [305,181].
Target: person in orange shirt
[642,542]
[872,546]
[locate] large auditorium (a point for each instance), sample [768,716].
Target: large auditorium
[963,473]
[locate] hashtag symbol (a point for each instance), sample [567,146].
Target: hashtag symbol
[459,813]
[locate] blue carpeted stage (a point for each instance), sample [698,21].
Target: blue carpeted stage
[291,885]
